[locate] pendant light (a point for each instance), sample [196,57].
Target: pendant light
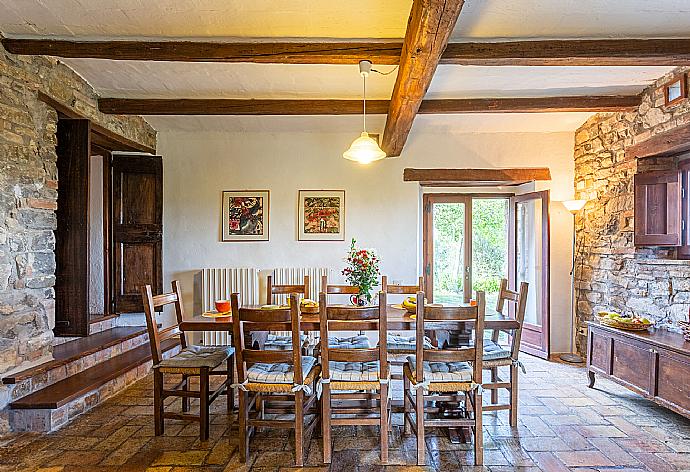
[364,149]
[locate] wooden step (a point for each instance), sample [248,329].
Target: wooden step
[97,318]
[64,391]
[72,351]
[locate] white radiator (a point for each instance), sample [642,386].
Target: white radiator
[218,284]
[295,276]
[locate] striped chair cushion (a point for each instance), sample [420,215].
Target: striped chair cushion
[278,373]
[443,371]
[354,371]
[360,341]
[494,351]
[279,342]
[194,357]
[398,342]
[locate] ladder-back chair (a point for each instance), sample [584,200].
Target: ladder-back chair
[363,370]
[266,377]
[349,341]
[191,361]
[445,375]
[399,345]
[496,356]
[283,340]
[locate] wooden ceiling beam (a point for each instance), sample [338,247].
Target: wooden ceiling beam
[214,106]
[428,29]
[594,52]
[475,177]
[387,53]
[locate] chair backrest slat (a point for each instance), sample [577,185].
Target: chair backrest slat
[272,289]
[158,335]
[336,318]
[245,320]
[518,302]
[401,289]
[428,315]
[337,289]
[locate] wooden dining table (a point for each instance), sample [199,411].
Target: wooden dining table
[398,320]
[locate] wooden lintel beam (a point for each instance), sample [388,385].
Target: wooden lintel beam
[590,52]
[451,177]
[668,143]
[428,30]
[213,106]
[386,53]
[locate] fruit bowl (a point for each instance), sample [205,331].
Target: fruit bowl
[614,320]
[309,307]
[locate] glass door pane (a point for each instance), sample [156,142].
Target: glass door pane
[448,256]
[530,240]
[489,246]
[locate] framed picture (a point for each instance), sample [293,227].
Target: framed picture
[321,215]
[245,215]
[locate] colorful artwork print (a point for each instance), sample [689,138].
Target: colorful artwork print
[245,215]
[321,215]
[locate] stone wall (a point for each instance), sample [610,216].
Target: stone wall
[611,274]
[28,198]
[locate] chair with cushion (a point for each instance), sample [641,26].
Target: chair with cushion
[400,345]
[277,382]
[363,371]
[192,361]
[278,340]
[445,375]
[345,342]
[496,355]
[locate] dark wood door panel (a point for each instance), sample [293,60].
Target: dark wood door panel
[600,353]
[673,379]
[657,209]
[137,228]
[632,364]
[72,234]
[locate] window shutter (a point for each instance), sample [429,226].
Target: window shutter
[657,209]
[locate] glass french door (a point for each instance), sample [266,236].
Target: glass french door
[529,248]
[465,246]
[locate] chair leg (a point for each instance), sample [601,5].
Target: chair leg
[406,406]
[158,404]
[203,405]
[299,428]
[185,387]
[513,395]
[419,417]
[229,391]
[494,391]
[478,429]
[326,423]
[384,423]
[242,420]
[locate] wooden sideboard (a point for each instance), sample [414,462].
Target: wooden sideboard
[653,363]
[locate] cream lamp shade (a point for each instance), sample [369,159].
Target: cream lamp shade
[573,206]
[364,150]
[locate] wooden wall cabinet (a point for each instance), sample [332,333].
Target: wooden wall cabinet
[658,208]
[655,364]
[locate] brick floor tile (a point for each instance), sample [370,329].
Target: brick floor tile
[584,459]
[549,462]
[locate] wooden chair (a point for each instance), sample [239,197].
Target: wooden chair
[280,340]
[277,382]
[352,341]
[192,361]
[399,346]
[444,375]
[363,370]
[496,356]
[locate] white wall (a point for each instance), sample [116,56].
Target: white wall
[382,211]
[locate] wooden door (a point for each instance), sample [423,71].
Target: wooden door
[72,233]
[137,228]
[529,253]
[657,209]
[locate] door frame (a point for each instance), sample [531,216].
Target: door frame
[428,200]
[541,349]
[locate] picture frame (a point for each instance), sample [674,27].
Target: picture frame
[245,215]
[321,215]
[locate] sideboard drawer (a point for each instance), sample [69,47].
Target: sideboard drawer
[600,352]
[673,379]
[632,364]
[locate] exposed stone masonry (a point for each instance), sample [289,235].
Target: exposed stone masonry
[28,198]
[611,274]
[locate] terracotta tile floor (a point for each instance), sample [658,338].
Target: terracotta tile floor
[563,426]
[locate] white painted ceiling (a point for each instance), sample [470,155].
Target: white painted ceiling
[336,20]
